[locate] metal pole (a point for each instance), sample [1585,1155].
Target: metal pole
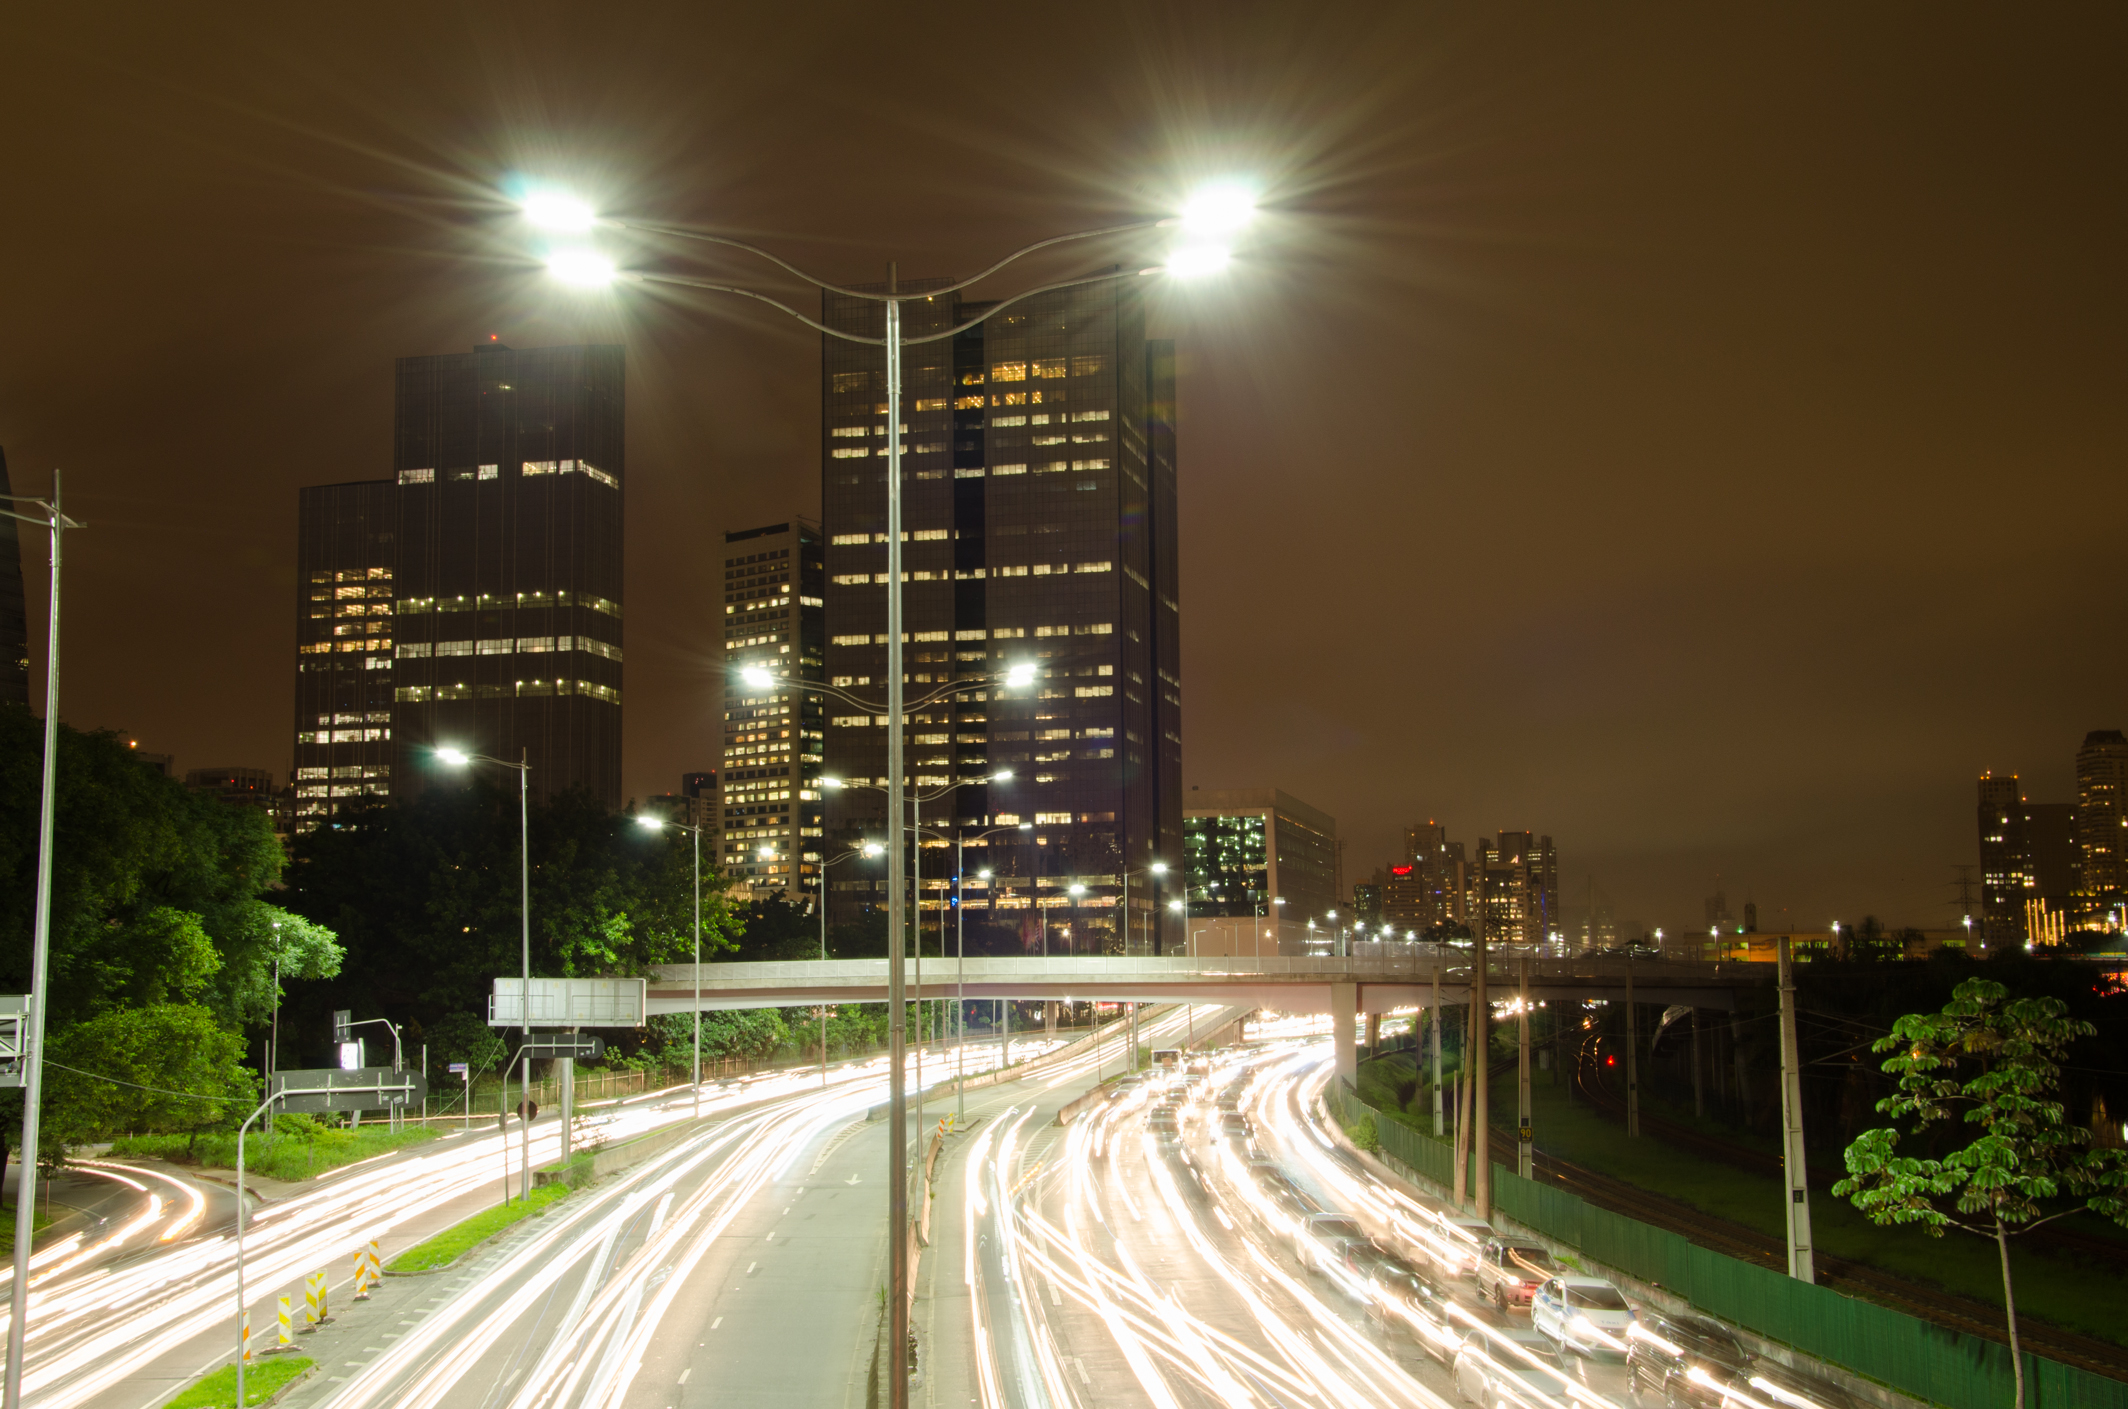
[524,830]
[239,1256]
[824,864]
[1699,1098]
[1481,1025]
[1632,1056]
[697,830]
[1796,1173]
[1438,1115]
[897,1019]
[40,948]
[1525,1146]
[960,978]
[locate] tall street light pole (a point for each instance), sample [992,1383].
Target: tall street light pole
[658,824]
[458,758]
[960,961]
[869,850]
[32,1047]
[1209,221]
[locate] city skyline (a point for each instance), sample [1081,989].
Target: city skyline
[1691,342]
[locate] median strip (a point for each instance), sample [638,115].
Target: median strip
[263,1381]
[435,1254]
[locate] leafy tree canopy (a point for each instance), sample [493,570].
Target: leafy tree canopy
[180,1067]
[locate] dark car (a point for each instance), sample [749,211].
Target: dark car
[1509,1271]
[1320,1239]
[1399,1295]
[1235,1125]
[1161,1120]
[1684,1359]
[1288,1200]
[1772,1383]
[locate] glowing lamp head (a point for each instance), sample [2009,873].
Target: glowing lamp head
[649,823]
[983,875]
[1159,868]
[873,848]
[1003,775]
[558,210]
[833,783]
[1176,906]
[456,758]
[755,676]
[581,268]
[1218,208]
[1020,676]
[766,853]
[1077,890]
[1198,261]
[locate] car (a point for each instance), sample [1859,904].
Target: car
[1778,1386]
[1398,1294]
[1287,1199]
[1583,1314]
[1453,1242]
[1682,1359]
[1509,1271]
[1320,1239]
[1236,1125]
[1161,1121]
[1508,1367]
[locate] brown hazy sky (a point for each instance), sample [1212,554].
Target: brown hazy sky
[1694,434]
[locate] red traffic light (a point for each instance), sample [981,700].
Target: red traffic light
[1610,1061]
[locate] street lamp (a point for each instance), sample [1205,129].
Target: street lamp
[960,960]
[459,758]
[869,850]
[693,829]
[32,1039]
[1207,222]
[1156,870]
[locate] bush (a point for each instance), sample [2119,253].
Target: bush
[1362,1133]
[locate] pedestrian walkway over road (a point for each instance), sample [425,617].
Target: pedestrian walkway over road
[1380,982]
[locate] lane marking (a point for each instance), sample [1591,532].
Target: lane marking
[716,1323]
[685,1373]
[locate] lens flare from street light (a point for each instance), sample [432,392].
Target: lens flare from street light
[581,268]
[873,848]
[456,758]
[755,676]
[1020,676]
[1197,261]
[649,823]
[557,210]
[1003,775]
[1219,208]
[833,783]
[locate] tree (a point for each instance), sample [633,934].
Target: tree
[158,1069]
[1993,1064]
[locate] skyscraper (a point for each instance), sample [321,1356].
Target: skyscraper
[2101,817]
[474,599]
[774,616]
[1515,888]
[1247,848]
[2002,859]
[1039,512]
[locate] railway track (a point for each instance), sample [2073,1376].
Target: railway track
[1944,1308]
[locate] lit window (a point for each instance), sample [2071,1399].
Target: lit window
[1008,371]
[1089,464]
[454,648]
[1008,421]
[849,452]
[539,467]
[1047,440]
[537,643]
[1008,469]
[417,476]
[1094,567]
[413,650]
[931,534]
[491,472]
[494,647]
[1089,415]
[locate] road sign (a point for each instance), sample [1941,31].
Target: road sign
[14,1025]
[458,1068]
[570,1002]
[343,1025]
[363,1089]
[582,1049]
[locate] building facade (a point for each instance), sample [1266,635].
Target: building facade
[1259,852]
[1430,885]
[770,809]
[2102,827]
[1039,525]
[1514,888]
[474,599]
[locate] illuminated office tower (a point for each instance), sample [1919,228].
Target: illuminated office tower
[473,600]
[770,805]
[1039,509]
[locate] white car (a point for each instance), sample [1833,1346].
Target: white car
[1582,1313]
[1508,1368]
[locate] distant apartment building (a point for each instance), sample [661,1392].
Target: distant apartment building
[770,808]
[1039,518]
[1258,851]
[2102,827]
[1428,887]
[2002,859]
[473,600]
[693,804]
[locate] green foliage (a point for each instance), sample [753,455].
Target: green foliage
[426,896]
[458,1239]
[463,1037]
[262,1380]
[1364,1134]
[159,1050]
[297,1147]
[1993,1065]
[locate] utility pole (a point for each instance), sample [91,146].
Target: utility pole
[1632,1057]
[1481,1118]
[1438,1120]
[1794,1168]
[1699,1099]
[1525,1137]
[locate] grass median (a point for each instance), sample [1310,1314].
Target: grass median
[264,1379]
[298,1148]
[458,1239]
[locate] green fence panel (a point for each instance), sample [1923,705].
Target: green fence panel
[1916,1357]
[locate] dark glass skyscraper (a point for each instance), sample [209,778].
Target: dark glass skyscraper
[1039,509]
[493,558]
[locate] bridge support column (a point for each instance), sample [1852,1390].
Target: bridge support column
[1344,1008]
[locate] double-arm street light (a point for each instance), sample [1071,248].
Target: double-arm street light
[459,758]
[869,850]
[30,1043]
[1207,224]
[694,829]
[960,959]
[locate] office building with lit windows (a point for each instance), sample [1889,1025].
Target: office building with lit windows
[2102,828]
[473,600]
[1259,851]
[1039,512]
[1514,888]
[769,803]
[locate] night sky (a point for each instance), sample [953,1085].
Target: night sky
[1695,436]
